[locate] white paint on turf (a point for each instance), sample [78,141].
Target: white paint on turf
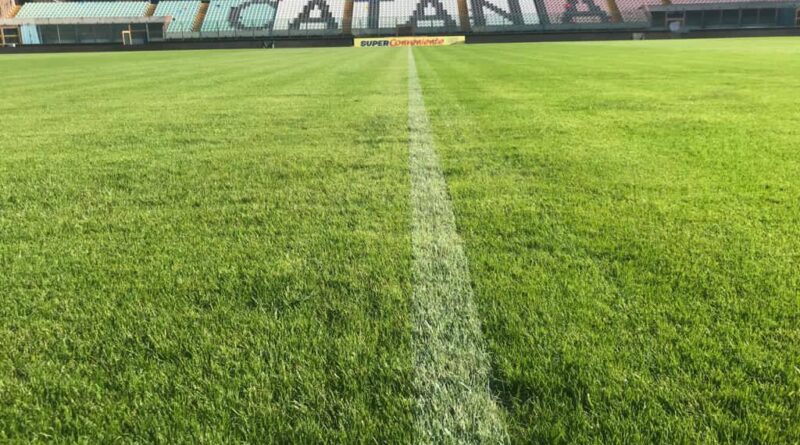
[451,381]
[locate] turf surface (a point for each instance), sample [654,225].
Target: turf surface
[631,217]
[192,246]
[215,246]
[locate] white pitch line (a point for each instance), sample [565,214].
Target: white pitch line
[451,368]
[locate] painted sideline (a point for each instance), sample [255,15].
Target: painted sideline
[451,367]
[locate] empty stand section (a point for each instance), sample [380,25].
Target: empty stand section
[42,10]
[570,12]
[182,13]
[301,16]
[688,2]
[238,15]
[420,15]
[502,14]
[633,11]
[264,18]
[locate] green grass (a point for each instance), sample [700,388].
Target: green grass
[215,246]
[191,247]
[631,217]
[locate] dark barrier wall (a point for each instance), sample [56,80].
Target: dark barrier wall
[652,35]
[346,41]
[202,44]
[98,33]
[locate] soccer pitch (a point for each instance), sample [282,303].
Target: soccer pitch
[241,246]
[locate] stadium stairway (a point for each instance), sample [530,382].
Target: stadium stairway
[616,16]
[347,19]
[151,8]
[463,13]
[13,11]
[201,15]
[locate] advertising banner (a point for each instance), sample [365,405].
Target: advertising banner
[408,41]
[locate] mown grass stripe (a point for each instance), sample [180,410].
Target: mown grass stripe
[453,403]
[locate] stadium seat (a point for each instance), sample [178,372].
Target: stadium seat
[309,15]
[241,15]
[682,2]
[313,16]
[182,13]
[570,12]
[502,13]
[420,14]
[521,14]
[633,11]
[317,17]
[83,9]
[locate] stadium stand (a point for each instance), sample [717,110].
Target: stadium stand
[568,12]
[597,13]
[634,11]
[425,15]
[183,13]
[305,15]
[192,19]
[687,2]
[241,15]
[502,14]
[45,10]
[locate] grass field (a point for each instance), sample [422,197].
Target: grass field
[217,246]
